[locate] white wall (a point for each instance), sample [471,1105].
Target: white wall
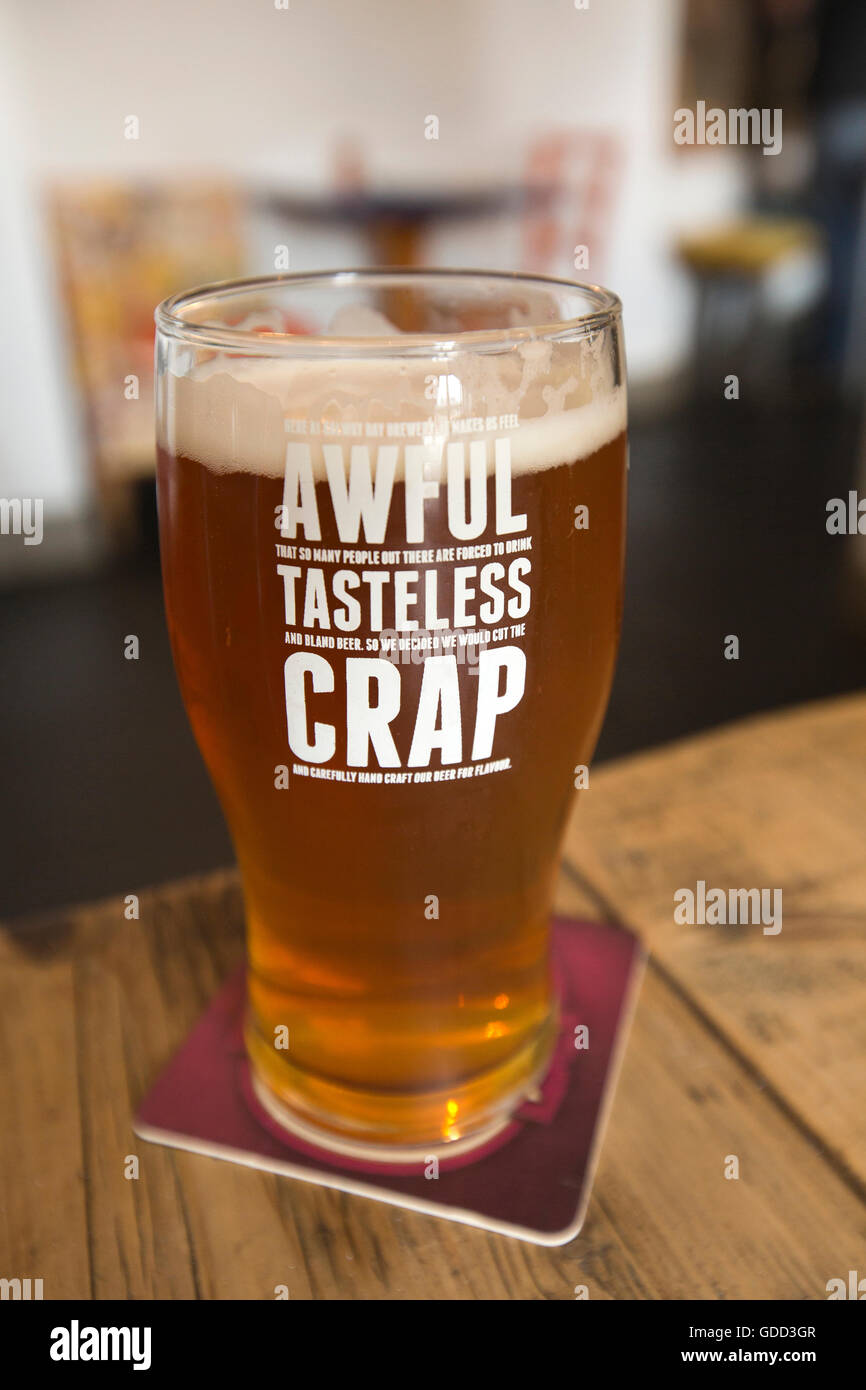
[612,67]
[41,453]
[248,88]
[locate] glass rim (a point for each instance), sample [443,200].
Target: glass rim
[171,324]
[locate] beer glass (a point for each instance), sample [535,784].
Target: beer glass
[392,515]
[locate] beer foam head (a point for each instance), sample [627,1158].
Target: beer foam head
[555,401]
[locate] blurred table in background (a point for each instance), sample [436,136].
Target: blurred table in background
[395,223]
[743,1045]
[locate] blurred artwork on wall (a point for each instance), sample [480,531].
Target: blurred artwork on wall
[121,248]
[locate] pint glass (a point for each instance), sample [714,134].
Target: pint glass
[392,514]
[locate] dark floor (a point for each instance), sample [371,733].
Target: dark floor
[105,791]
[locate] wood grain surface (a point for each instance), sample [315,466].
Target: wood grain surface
[742,1044]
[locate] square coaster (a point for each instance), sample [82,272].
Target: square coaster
[531,1180]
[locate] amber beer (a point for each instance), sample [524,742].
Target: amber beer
[396,649]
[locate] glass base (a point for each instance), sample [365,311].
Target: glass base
[389,1128]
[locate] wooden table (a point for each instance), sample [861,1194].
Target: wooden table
[743,1044]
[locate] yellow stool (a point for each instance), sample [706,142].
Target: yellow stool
[754,277]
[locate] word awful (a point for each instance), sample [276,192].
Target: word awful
[356,498]
[714,907]
[736,126]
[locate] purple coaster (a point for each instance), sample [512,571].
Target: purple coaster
[531,1180]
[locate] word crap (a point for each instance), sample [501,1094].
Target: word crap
[373,701]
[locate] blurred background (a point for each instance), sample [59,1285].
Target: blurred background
[149,148]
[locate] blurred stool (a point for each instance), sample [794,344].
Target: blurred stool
[755,279]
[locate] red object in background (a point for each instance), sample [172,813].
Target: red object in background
[576,175]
